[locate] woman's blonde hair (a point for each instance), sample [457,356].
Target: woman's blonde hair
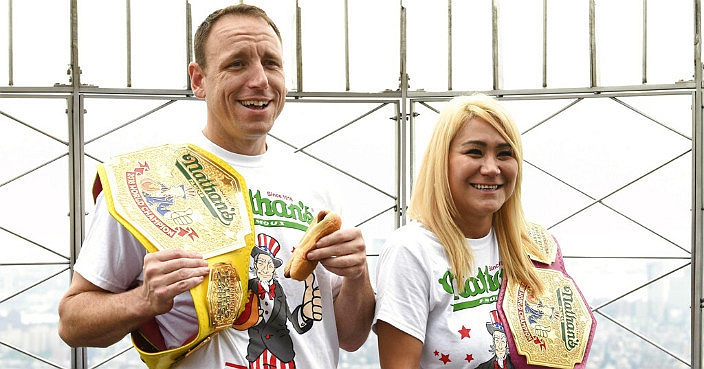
[432,204]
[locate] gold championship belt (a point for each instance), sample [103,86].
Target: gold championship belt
[551,330]
[183,197]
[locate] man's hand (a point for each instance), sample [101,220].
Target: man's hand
[168,273]
[91,316]
[343,253]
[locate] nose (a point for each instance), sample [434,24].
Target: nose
[258,77]
[490,167]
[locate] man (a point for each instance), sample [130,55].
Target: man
[118,287]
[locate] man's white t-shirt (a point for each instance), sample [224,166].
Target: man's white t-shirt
[280,185]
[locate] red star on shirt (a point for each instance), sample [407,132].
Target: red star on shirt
[436,353]
[469,358]
[445,358]
[464,332]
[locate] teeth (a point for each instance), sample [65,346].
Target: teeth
[485,187]
[254,102]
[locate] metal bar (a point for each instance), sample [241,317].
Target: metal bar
[10,56]
[36,357]
[607,303]
[128,37]
[341,127]
[33,128]
[545,43]
[402,117]
[644,338]
[375,216]
[592,44]
[449,45]
[347,46]
[33,243]
[495,44]
[650,118]
[131,121]
[552,116]
[332,166]
[401,142]
[697,286]
[644,78]
[189,41]
[299,50]
[32,285]
[79,357]
[127,348]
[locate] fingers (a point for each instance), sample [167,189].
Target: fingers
[169,273]
[342,252]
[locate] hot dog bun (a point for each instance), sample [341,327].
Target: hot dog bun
[298,267]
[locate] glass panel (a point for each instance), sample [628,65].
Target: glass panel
[427,45]
[159,51]
[102,43]
[40,58]
[568,44]
[472,63]
[603,145]
[365,173]
[28,321]
[374,45]
[520,48]
[658,312]
[118,356]
[670,41]
[133,124]
[619,42]
[43,224]
[323,45]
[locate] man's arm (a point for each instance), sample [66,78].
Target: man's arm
[92,317]
[344,253]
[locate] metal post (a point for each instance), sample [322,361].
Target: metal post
[697,201]
[592,44]
[128,38]
[10,72]
[402,124]
[76,170]
[449,45]
[495,44]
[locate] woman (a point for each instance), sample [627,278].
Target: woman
[439,276]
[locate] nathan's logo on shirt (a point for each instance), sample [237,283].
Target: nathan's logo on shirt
[479,290]
[292,215]
[210,194]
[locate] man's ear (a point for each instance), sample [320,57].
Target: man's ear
[197,79]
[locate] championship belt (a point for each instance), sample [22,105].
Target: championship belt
[551,330]
[183,197]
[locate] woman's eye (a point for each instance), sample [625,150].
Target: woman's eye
[474,152]
[506,154]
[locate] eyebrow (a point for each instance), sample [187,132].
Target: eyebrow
[504,145]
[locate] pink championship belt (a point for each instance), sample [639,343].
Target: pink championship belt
[553,330]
